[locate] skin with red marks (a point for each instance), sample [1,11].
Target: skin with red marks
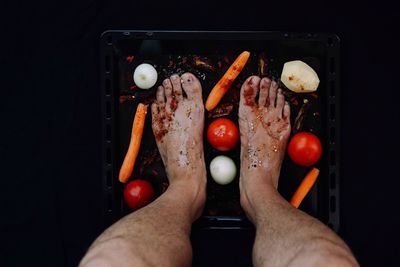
[173,105]
[249,95]
[178,123]
[159,127]
[264,128]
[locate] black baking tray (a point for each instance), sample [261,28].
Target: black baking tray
[175,52]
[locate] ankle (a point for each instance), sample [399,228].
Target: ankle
[190,193]
[254,196]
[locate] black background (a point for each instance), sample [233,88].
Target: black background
[50,115]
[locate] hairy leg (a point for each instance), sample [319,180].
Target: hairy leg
[158,234]
[285,236]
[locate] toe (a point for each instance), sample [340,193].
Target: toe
[264,88]
[280,101]
[249,91]
[191,85]
[168,93]
[286,110]
[154,110]
[176,87]
[272,93]
[160,97]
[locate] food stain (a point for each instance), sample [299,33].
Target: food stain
[124,98]
[173,105]
[249,96]
[159,125]
[129,59]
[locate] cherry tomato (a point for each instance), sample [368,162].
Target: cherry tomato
[138,193]
[223,134]
[305,149]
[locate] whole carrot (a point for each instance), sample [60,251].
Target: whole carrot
[136,137]
[226,81]
[304,187]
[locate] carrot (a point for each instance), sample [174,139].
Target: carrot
[136,137]
[226,81]
[304,187]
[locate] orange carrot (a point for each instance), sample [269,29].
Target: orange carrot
[226,81]
[304,187]
[136,137]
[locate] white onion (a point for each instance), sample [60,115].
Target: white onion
[145,76]
[223,170]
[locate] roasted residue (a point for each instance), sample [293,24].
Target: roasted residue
[203,63]
[129,59]
[124,98]
[299,120]
[150,158]
[262,65]
[291,96]
[221,110]
[226,60]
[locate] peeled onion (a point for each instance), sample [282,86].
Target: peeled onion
[299,77]
[145,76]
[223,170]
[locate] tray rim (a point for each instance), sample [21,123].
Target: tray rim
[331,42]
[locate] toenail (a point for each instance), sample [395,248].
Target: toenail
[279,91]
[165,82]
[250,81]
[174,77]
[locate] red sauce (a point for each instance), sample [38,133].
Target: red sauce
[159,126]
[174,105]
[130,59]
[249,96]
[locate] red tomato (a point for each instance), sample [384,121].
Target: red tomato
[305,149]
[223,134]
[138,193]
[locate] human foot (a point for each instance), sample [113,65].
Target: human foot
[178,123]
[264,130]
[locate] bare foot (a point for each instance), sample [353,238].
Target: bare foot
[264,130]
[178,123]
